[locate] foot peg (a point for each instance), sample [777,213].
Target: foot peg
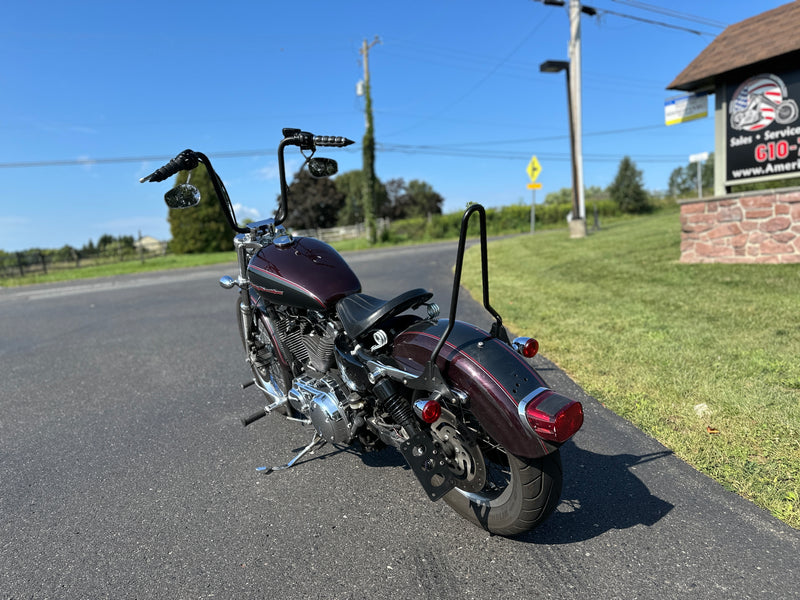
[253,418]
[263,413]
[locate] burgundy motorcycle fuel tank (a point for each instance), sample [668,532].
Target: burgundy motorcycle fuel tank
[302,272]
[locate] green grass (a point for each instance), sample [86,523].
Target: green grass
[682,351]
[159,263]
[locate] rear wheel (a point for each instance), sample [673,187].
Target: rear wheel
[495,490]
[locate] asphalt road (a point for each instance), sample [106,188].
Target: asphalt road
[124,473]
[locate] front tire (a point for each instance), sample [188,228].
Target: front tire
[263,364]
[518,493]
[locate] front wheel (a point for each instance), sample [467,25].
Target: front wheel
[502,493]
[261,356]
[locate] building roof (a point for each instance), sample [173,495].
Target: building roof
[766,36]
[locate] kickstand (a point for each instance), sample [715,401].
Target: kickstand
[314,441]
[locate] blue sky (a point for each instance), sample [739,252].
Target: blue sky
[458,98]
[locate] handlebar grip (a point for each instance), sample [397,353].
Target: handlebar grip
[185,161]
[332,140]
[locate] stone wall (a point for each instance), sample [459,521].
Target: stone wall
[751,227]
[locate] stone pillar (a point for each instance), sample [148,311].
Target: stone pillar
[753,227]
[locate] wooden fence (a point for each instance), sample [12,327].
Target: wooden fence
[345,232]
[31,262]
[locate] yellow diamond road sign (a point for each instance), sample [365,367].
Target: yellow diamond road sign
[534,168]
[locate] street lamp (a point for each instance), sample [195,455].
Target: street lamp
[577,225]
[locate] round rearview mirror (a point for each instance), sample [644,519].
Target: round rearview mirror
[184,195]
[322,167]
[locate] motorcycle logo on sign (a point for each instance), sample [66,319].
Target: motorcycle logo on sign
[759,101]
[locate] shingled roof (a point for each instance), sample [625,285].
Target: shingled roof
[763,37]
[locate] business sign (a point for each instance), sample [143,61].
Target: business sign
[689,107]
[763,130]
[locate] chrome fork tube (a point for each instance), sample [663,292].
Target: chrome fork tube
[242,247]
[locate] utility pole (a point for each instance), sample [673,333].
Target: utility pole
[368,148]
[575,93]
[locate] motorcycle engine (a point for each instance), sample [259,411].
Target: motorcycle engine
[321,400]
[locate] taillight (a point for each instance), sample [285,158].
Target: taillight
[552,416]
[428,410]
[527,347]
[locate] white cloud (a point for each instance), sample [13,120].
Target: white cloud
[154,226]
[245,212]
[270,171]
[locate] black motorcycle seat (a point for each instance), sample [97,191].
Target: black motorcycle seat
[359,312]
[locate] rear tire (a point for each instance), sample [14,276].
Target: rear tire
[518,495]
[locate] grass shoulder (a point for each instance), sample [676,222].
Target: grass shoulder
[702,357]
[160,263]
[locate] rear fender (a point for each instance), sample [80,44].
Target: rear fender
[494,377]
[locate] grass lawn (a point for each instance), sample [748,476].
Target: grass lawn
[159,263]
[705,358]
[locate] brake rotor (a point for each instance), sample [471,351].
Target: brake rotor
[464,457]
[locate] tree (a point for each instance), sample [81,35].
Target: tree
[414,199]
[564,195]
[88,248]
[627,189]
[65,254]
[126,242]
[422,200]
[104,242]
[368,151]
[351,184]
[313,202]
[683,180]
[395,188]
[202,228]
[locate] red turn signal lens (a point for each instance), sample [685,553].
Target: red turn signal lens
[559,427]
[531,348]
[527,347]
[428,410]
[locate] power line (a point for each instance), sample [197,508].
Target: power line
[479,82]
[123,159]
[431,150]
[592,11]
[524,70]
[672,13]
[550,138]
[519,155]
[465,149]
[654,22]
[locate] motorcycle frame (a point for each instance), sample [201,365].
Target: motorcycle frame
[500,411]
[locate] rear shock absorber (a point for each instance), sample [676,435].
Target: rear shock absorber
[394,403]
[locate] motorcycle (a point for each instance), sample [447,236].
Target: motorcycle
[475,422]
